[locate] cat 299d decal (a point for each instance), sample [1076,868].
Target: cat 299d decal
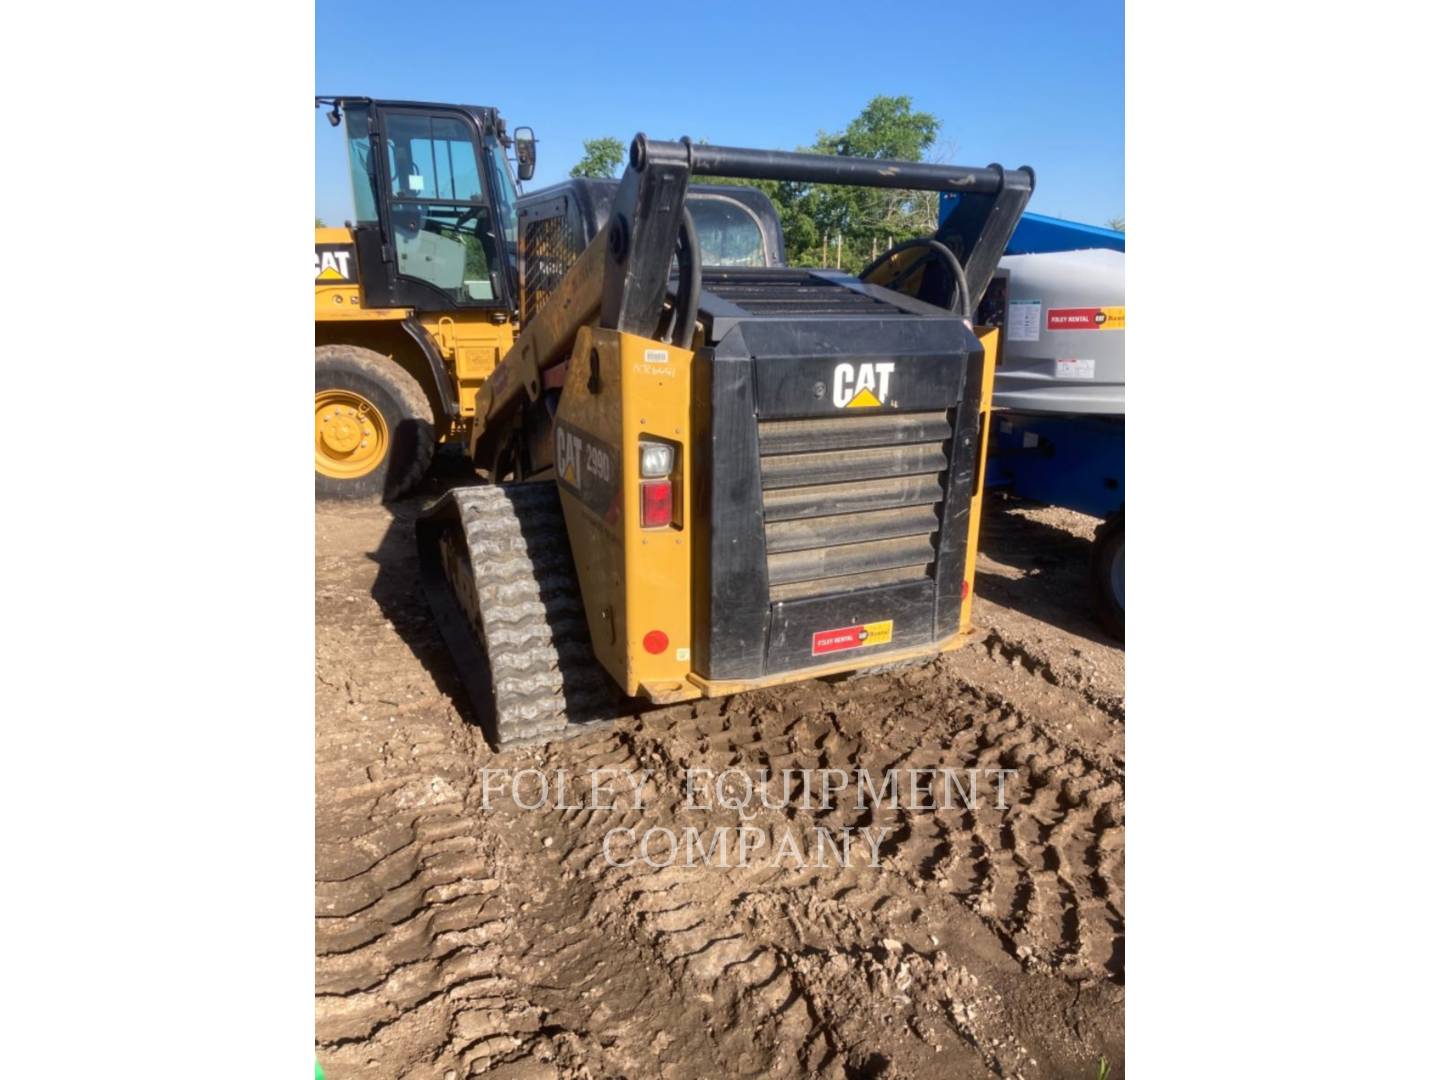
[590,469]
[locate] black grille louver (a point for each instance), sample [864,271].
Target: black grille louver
[830,512]
[852,502]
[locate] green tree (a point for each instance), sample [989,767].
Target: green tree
[319,224]
[1116,223]
[819,220]
[826,222]
[601,158]
[868,220]
[888,127]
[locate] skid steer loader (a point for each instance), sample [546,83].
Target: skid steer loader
[711,479]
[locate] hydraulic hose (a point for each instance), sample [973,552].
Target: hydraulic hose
[687,298]
[960,294]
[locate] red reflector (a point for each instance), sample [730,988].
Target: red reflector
[656,642]
[655,505]
[964,589]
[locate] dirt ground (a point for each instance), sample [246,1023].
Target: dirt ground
[453,940]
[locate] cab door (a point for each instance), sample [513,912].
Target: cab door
[436,243]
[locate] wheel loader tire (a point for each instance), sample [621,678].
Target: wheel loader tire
[1107,575]
[374,431]
[496,568]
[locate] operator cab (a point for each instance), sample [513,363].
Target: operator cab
[737,227]
[435,202]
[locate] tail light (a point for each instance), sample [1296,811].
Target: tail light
[659,469]
[657,504]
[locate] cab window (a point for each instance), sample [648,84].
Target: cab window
[442,229]
[505,188]
[433,158]
[357,147]
[729,234]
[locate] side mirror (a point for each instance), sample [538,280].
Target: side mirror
[524,152]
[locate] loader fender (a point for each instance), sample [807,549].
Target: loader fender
[444,384]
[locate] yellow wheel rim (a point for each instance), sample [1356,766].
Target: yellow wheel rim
[350,435]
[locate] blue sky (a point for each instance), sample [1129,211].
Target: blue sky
[1039,84]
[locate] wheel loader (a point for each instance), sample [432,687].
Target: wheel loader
[707,479]
[418,298]
[414,299]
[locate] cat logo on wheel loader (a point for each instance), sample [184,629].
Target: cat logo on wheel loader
[332,262]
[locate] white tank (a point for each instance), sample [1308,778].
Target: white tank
[1064,349]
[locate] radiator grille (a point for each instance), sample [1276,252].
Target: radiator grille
[852,502]
[549,247]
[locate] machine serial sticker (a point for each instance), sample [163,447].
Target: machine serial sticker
[851,637]
[1085,318]
[1074,369]
[589,469]
[1022,322]
[657,362]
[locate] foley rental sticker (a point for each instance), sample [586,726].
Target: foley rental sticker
[851,637]
[1085,318]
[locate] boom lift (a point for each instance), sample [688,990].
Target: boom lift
[715,479]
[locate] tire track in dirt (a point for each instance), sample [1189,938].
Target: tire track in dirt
[442,948]
[774,951]
[1041,882]
[407,912]
[456,940]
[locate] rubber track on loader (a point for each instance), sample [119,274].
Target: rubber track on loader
[497,571]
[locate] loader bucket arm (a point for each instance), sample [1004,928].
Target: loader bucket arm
[620,280]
